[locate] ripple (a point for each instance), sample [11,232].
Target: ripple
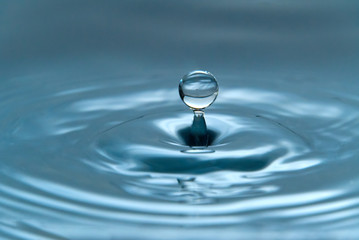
[91,156]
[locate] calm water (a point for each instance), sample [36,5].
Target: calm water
[93,129]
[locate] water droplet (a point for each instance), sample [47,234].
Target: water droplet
[198,89]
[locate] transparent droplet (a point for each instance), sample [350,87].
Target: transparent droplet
[198,89]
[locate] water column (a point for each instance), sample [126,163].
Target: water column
[198,90]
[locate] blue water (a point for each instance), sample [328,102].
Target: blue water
[94,134]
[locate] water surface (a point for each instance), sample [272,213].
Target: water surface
[93,129]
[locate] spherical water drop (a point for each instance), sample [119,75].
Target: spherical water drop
[198,89]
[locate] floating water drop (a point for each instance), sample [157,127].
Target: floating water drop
[198,89]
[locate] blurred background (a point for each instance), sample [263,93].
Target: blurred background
[312,38]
